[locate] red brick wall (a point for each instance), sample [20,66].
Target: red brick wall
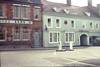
[9,10]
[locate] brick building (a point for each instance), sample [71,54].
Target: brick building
[20,23]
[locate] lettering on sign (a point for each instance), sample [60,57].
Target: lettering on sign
[16,21]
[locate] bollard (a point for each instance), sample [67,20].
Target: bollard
[60,46]
[71,46]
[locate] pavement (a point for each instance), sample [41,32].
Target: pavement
[80,57]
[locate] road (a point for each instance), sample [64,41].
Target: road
[88,56]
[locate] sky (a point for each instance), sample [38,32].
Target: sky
[78,2]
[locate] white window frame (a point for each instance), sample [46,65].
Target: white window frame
[27,8]
[93,24]
[19,10]
[28,35]
[36,7]
[59,23]
[14,35]
[73,23]
[68,37]
[53,38]
[51,23]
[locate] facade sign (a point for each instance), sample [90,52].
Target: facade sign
[16,21]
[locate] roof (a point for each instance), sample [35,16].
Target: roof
[73,10]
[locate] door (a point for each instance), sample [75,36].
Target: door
[36,39]
[83,40]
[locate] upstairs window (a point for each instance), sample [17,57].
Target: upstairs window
[37,13]
[1,10]
[25,12]
[57,23]
[97,25]
[91,25]
[72,23]
[49,23]
[16,11]
[65,22]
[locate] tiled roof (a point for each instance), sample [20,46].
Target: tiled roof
[73,10]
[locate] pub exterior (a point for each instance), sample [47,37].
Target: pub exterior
[20,23]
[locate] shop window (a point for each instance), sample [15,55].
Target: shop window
[25,33]
[16,35]
[2,33]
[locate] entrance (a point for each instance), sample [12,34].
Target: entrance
[37,39]
[83,40]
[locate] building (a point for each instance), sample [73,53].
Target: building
[66,23]
[20,23]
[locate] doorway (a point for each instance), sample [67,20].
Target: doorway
[84,40]
[37,39]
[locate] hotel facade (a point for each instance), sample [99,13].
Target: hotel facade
[20,23]
[65,24]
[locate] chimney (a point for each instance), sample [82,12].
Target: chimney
[89,3]
[69,2]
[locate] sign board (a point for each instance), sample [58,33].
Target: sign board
[16,21]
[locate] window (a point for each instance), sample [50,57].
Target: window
[54,37]
[97,25]
[25,33]
[2,33]
[21,33]
[49,22]
[65,22]
[37,13]
[72,23]
[51,37]
[1,10]
[69,37]
[57,23]
[24,12]
[16,35]
[91,25]
[16,11]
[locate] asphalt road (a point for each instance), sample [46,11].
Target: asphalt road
[80,57]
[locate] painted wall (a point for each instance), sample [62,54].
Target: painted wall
[82,26]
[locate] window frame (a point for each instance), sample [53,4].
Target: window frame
[58,37]
[50,22]
[68,37]
[34,10]
[57,22]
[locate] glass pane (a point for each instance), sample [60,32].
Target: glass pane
[55,37]
[66,37]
